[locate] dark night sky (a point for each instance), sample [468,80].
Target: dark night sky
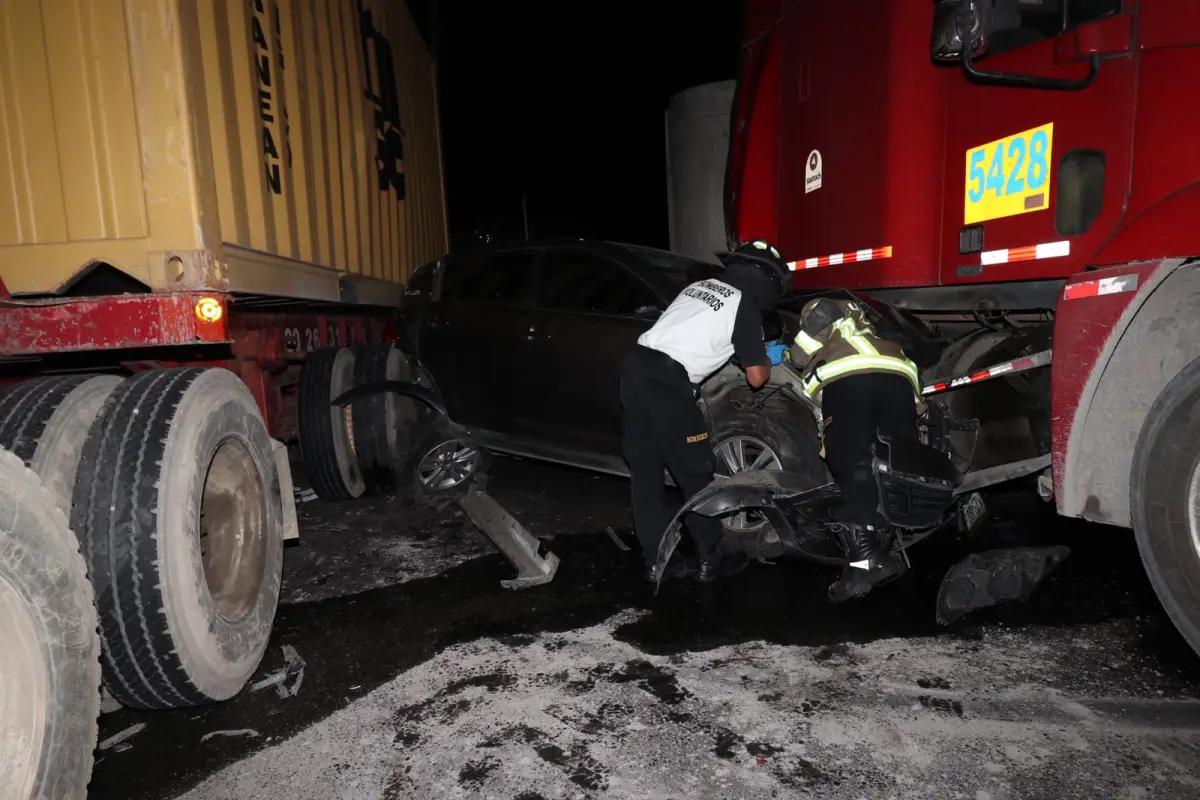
[565,101]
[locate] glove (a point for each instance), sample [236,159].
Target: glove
[775,353]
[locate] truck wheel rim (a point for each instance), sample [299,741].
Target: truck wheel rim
[1193,501]
[23,698]
[741,454]
[448,465]
[233,530]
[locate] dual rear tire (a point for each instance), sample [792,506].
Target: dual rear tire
[370,444]
[140,539]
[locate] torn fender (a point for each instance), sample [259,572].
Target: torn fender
[724,496]
[403,388]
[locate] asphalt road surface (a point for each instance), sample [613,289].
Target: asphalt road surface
[423,678]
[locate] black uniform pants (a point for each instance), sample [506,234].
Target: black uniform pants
[855,407]
[664,429]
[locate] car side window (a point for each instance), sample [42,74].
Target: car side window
[502,278]
[576,280]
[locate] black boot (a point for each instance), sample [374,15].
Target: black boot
[870,563]
[716,563]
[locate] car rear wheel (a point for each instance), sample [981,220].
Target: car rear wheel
[777,433]
[743,454]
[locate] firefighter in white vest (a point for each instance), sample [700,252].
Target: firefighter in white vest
[707,324]
[864,384]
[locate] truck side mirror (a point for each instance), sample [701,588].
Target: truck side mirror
[958,24]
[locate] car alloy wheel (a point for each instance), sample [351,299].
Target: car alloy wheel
[448,465]
[742,454]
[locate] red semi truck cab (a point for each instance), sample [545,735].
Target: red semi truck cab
[1016,176]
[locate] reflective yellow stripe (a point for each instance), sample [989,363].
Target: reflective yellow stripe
[857,363]
[862,344]
[807,343]
[845,326]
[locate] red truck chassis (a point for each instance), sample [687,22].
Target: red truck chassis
[146,331]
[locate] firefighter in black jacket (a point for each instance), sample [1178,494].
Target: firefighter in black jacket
[863,384]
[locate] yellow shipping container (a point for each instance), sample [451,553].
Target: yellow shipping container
[279,147]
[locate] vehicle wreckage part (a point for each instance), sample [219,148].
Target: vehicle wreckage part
[760,489]
[382,422]
[993,577]
[404,388]
[444,450]
[326,431]
[177,505]
[1165,495]
[44,421]
[1011,367]
[533,563]
[914,482]
[49,650]
[785,429]
[982,478]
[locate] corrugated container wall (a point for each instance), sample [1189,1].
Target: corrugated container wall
[283,147]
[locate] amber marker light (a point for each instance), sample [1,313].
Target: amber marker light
[209,309]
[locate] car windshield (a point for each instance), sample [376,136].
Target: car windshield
[679,270]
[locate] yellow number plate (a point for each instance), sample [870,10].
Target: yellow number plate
[1009,176]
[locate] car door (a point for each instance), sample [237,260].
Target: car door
[591,311]
[471,336]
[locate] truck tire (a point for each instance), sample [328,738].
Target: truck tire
[44,422]
[779,434]
[50,656]
[383,423]
[1165,498]
[178,508]
[327,442]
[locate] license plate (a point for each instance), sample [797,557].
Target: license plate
[973,512]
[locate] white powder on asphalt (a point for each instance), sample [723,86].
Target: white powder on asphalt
[584,714]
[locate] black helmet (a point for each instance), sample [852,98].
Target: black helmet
[765,256]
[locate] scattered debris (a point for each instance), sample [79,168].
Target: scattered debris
[287,680]
[616,539]
[108,703]
[305,495]
[117,738]
[994,577]
[239,732]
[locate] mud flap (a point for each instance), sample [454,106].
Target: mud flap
[287,494]
[986,579]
